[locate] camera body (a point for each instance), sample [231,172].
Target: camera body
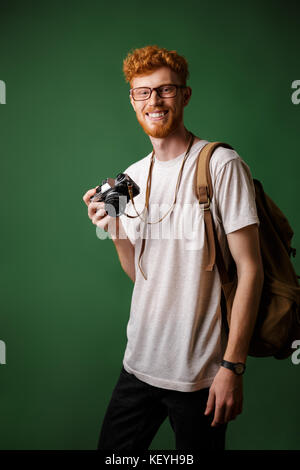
[115,193]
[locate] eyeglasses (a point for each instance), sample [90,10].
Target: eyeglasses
[164,91]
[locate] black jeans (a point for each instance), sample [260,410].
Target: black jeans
[137,410]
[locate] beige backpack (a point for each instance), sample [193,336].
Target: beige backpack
[278,319]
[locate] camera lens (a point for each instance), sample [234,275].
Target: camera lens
[115,204]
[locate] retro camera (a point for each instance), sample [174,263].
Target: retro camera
[116,193]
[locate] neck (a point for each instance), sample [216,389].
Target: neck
[168,148]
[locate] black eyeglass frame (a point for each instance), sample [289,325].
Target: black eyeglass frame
[156,89]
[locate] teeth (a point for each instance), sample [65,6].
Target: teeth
[157,114]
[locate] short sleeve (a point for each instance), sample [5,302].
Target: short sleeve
[234,194]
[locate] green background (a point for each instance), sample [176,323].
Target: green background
[68,124]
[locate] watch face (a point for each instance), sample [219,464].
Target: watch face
[239,368]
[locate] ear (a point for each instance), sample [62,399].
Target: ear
[132,102]
[187,93]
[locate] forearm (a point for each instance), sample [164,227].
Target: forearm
[124,247]
[125,251]
[243,315]
[114,226]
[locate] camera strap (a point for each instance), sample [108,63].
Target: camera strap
[147,197]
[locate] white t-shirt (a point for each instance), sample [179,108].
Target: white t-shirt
[174,332]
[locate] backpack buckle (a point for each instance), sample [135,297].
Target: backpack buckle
[205,207]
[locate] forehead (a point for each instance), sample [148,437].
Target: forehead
[161,76]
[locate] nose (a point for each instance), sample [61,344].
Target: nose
[154,98]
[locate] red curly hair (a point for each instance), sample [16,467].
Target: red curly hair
[146,59]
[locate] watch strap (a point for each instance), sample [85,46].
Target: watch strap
[237,367]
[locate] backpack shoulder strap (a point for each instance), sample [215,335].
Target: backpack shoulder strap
[204,192]
[204,188]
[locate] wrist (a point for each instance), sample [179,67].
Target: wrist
[235,356]
[238,368]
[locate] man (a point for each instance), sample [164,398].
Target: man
[176,341]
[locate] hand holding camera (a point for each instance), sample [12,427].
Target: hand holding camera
[108,201]
[99,217]
[116,193]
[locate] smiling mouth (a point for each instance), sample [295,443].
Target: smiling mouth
[156,116]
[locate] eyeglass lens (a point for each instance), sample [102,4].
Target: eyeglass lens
[143,93]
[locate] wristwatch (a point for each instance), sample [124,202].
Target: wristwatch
[237,367]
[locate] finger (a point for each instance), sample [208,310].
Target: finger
[99,215]
[219,415]
[239,407]
[93,207]
[237,410]
[210,403]
[234,413]
[88,195]
[229,411]
[103,223]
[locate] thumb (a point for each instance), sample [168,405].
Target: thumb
[210,402]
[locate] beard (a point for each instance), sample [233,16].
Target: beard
[161,129]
